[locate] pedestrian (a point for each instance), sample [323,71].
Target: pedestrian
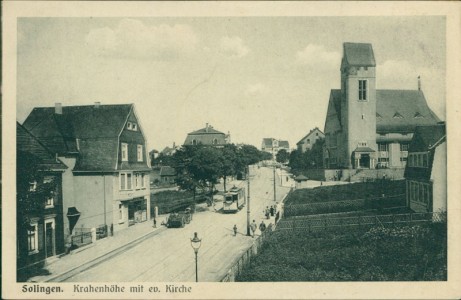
[155,223]
[253,227]
[262,226]
[266,212]
[272,211]
[235,229]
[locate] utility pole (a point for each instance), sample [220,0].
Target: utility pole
[248,204]
[275,195]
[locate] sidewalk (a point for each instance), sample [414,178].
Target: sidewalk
[92,254]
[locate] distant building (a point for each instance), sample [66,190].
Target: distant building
[367,128]
[273,146]
[169,151]
[44,237]
[104,148]
[207,136]
[309,140]
[426,170]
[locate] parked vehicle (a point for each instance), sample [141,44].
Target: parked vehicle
[177,220]
[234,200]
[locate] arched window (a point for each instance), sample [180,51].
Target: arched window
[215,141]
[194,142]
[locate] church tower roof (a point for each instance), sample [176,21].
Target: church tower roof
[359,54]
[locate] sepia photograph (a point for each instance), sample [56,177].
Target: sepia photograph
[220,151]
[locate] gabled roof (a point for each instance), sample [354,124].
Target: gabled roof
[27,143]
[284,144]
[310,132]
[90,132]
[267,142]
[206,130]
[359,54]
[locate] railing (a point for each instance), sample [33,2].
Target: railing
[237,268]
[101,232]
[311,224]
[82,237]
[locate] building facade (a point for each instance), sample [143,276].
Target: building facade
[103,146]
[273,146]
[40,225]
[426,170]
[366,128]
[207,136]
[309,140]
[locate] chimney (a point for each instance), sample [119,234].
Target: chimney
[174,145]
[97,104]
[419,83]
[58,108]
[206,127]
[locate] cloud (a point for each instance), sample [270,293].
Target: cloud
[233,47]
[254,90]
[317,56]
[133,39]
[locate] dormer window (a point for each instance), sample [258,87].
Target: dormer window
[363,90]
[418,115]
[129,125]
[397,116]
[378,116]
[134,126]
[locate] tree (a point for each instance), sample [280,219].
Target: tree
[311,159]
[282,156]
[229,162]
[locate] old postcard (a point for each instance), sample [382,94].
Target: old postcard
[230,150]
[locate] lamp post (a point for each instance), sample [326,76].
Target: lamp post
[248,204]
[275,194]
[196,243]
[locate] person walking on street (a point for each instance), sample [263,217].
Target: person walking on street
[266,213]
[272,211]
[235,229]
[262,226]
[253,227]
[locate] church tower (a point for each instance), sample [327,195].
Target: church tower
[358,106]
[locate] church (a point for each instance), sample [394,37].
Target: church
[366,128]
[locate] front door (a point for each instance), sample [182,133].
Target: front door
[49,239]
[364,161]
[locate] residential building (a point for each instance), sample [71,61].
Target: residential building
[309,140]
[366,128]
[40,230]
[163,175]
[426,170]
[107,180]
[207,136]
[169,151]
[273,146]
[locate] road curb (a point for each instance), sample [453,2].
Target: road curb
[100,259]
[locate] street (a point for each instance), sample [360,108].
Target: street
[169,257]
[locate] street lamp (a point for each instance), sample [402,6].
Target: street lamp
[196,243]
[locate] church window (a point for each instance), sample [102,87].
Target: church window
[362,90]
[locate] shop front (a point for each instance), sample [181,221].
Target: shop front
[137,211]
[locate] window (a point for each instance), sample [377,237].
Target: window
[49,202]
[124,152]
[32,238]
[419,160]
[126,181]
[362,144]
[140,153]
[362,90]
[215,141]
[397,116]
[143,181]
[383,147]
[138,180]
[32,186]
[135,127]
[308,141]
[316,134]
[418,115]
[194,142]
[129,125]
[403,147]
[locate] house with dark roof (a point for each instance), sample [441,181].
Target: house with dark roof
[309,139]
[426,169]
[273,146]
[104,147]
[43,235]
[207,136]
[366,128]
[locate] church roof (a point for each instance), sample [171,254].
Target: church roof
[359,54]
[402,111]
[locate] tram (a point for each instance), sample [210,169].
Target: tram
[234,200]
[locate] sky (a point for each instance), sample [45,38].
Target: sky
[255,77]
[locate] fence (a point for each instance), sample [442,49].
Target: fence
[101,232]
[343,205]
[82,237]
[312,225]
[244,261]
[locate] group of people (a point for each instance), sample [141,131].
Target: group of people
[270,211]
[253,227]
